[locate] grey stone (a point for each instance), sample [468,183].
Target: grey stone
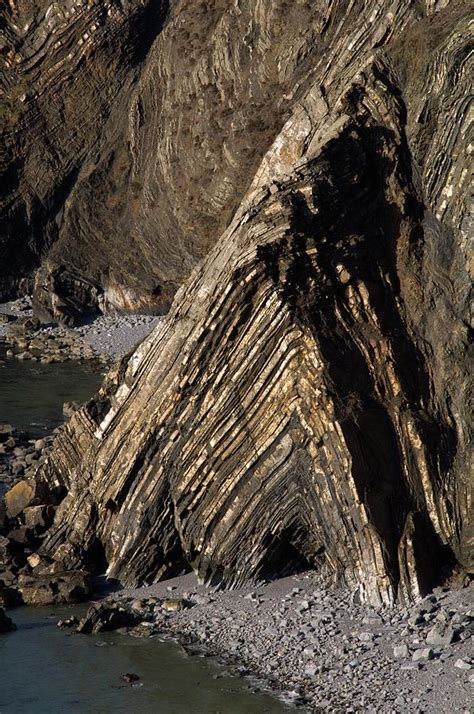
[441,635]
[422,655]
[400,651]
[463,664]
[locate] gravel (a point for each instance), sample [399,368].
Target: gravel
[115,335]
[111,336]
[321,650]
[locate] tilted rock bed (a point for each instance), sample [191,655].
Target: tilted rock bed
[315,645]
[306,398]
[305,401]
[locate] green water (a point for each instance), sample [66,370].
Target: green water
[32,394]
[45,670]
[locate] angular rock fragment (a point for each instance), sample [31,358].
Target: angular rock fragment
[54,589]
[424,654]
[400,651]
[105,617]
[441,635]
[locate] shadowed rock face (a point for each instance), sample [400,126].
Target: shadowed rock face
[132,145]
[305,399]
[65,65]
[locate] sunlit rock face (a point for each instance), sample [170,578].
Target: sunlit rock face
[305,400]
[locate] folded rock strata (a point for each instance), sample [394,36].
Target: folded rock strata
[64,65]
[122,163]
[305,400]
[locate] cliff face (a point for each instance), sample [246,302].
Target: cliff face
[305,400]
[64,66]
[131,145]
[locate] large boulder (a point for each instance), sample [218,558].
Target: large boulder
[54,589]
[6,432]
[24,494]
[107,616]
[9,596]
[19,497]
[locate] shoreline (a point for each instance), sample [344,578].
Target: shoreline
[104,337]
[315,648]
[310,644]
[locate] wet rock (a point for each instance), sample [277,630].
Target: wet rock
[3,518]
[105,617]
[9,595]
[6,624]
[6,432]
[68,622]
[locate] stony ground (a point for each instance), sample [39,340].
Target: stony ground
[115,335]
[20,456]
[325,651]
[110,336]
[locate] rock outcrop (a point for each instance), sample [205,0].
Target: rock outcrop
[128,146]
[6,624]
[65,65]
[305,400]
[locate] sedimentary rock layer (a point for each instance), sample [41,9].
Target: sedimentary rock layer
[63,67]
[305,399]
[129,142]
[127,149]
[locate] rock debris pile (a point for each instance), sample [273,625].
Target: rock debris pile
[316,645]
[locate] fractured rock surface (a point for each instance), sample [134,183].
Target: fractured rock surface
[304,401]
